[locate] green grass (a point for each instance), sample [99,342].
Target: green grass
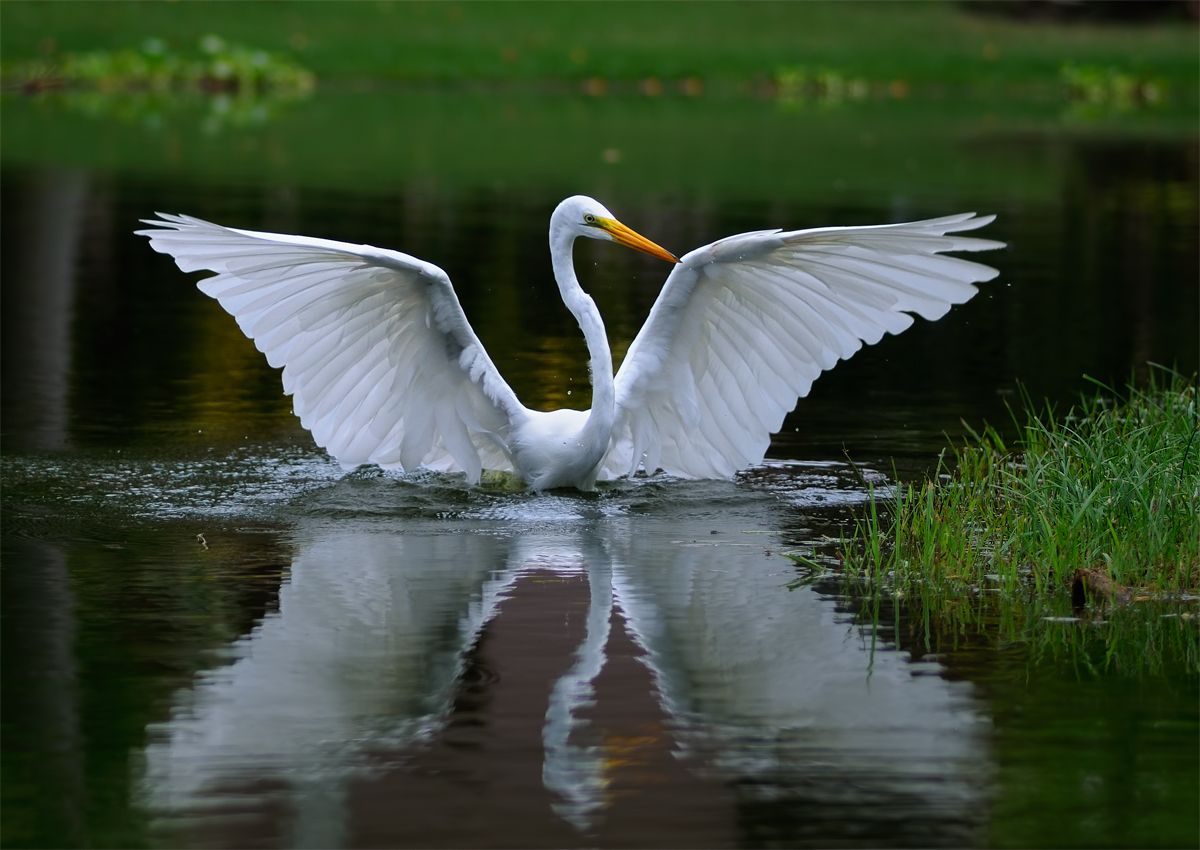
[1110,486]
[990,547]
[829,98]
[923,43]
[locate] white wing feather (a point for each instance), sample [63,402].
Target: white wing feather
[745,325]
[380,360]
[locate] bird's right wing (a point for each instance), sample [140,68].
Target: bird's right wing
[380,360]
[745,325]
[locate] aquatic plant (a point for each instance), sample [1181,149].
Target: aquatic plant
[1080,538]
[1111,87]
[230,85]
[794,85]
[1110,489]
[215,66]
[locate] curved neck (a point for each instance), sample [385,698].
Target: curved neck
[603,413]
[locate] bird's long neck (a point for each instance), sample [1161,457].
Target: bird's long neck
[603,414]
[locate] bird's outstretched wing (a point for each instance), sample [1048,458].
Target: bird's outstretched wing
[381,362]
[745,325]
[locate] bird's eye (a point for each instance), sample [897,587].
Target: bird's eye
[589,219]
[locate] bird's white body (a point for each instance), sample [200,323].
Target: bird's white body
[551,449]
[384,367]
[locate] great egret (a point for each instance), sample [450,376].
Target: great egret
[385,369]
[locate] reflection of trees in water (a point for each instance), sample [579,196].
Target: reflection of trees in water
[1096,281]
[98,634]
[41,700]
[1123,290]
[41,250]
[215,115]
[1143,198]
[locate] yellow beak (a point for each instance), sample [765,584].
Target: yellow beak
[632,239]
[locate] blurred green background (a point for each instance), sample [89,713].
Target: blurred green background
[807,97]
[925,43]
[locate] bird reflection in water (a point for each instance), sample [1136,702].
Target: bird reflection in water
[554,685]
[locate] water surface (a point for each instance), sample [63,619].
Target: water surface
[214,637]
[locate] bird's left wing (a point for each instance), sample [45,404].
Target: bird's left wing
[380,360]
[745,325]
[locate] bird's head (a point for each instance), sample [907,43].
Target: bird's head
[586,216]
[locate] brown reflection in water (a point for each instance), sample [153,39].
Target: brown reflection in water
[253,813]
[475,778]
[653,796]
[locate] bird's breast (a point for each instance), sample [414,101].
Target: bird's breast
[553,449]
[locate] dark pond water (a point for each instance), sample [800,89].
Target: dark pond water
[213,637]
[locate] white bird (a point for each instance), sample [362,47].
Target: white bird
[385,369]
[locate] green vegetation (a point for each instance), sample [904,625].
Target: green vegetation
[235,86]
[1092,514]
[214,66]
[659,47]
[1110,487]
[796,84]
[839,97]
[1108,86]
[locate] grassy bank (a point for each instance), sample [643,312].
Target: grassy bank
[1108,487]
[1087,514]
[713,44]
